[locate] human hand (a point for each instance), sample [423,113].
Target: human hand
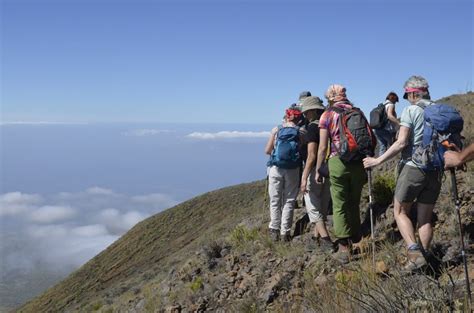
[452,159]
[370,162]
[319,179]
[303,187]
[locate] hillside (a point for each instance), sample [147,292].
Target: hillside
[212,253]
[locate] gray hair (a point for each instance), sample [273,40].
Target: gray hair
[418,82]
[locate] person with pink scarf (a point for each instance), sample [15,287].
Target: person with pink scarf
[346,178]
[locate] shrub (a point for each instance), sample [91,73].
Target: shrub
[383,188]
[196,284]
[241,235]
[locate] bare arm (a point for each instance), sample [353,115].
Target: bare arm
[392,115]
[310,163]
[270,143]
[394,149]
[322,150]
[454,159]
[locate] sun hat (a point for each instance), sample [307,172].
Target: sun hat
[312,103]
[304,94]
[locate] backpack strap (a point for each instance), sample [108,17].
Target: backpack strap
[336,109]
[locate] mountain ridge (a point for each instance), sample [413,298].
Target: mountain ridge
[172,245]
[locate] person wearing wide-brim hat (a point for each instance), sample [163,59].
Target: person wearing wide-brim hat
[316,195]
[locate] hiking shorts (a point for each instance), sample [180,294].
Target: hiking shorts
[413,183]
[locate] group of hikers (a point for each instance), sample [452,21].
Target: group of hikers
[326,153]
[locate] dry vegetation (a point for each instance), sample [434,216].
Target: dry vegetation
[213,253]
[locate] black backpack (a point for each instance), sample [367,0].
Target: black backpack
[378,117]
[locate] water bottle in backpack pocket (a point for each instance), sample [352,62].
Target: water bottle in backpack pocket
[442,131]
[286,153]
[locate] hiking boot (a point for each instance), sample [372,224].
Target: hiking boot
[326,245]
[286,238]
[342,257]
[416,260]
[274,235]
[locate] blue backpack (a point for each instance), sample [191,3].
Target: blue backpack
[286,153]
[441,131]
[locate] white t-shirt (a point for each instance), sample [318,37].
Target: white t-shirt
[389,125]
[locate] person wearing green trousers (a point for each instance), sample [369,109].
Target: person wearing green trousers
[347,178]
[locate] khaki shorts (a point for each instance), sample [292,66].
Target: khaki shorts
[413,183]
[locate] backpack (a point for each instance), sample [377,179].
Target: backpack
[286,153]
[442,131]
[378,117]
[357,139]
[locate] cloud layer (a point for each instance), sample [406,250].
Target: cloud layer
[146,132]
[228,135]
[65,230]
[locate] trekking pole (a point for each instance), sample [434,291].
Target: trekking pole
[457,204]
[369,175]
[265,197]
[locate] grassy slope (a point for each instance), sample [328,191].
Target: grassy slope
[153,246]
[150,247]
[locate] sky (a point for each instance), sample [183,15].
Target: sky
[114,110]
[228,62]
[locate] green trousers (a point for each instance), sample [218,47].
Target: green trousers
[347,180]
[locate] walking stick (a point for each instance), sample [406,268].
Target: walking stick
[266,197]
[369,174]
[457,204]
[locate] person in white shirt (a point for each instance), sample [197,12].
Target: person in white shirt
[386,134]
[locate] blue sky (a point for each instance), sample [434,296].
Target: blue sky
[229,61]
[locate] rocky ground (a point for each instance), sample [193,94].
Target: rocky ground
[247,272]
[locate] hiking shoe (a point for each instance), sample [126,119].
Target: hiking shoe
[326,245]
[416,260]
[286,238]
[274,235]
[342,257]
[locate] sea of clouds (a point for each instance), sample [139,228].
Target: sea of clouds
[70,190]
[68,228]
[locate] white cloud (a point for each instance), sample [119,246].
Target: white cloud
[131,218]
[146,132]
[157,200]
[47,231]
[50,214]
[66,229]
[228,135]
[90,230]
[15,203]
[99,191]
[117,222]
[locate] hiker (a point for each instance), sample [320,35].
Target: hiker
[413,183]
[284,174]
[346,177]
[303,95]
[456,159]
[386,133]
[316,196]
